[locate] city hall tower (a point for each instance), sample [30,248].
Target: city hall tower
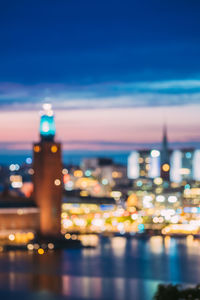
[47,165]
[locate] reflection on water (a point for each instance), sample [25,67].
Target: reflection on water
[107,288]
[156,244]
[118,245]
[167,240]
[118,268]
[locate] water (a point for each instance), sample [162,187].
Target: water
[116,269]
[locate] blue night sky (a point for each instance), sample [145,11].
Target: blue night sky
[98,61]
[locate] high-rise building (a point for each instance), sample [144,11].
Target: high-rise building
[138,164]
[165,158]
[47,164]
[154,170]
[171,165]
[144,163]
[185,165]
[196,165]
[133,169]
[176,166]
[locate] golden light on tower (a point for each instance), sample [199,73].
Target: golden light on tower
[36,148]
[54,149]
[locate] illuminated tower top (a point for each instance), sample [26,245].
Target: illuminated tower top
[47,123]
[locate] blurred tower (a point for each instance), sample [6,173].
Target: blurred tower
[47,164]
[164,159]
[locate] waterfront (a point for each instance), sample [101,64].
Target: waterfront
[118,268]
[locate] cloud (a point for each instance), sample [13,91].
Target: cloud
[102,95]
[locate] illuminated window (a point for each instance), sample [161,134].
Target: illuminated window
[88,173]
[172,199]
[54,149]
[116,174]
[29,160]
[84,193]
[20,211]
[30,247]
[37,148]
[11,237]
[160,198]
[50,246]
[147,167]
[165,167]
[155,153]
[142,173]
[30,171]
[57,182]
[65,171]
[40,251]
[78,173]
[66,178]
[158,180]
[188,155]
[147,160]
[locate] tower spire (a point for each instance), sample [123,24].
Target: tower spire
[165,162]
[165,140]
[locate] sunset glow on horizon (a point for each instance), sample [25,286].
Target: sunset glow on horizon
[104,129]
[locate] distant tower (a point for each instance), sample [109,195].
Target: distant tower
[47,164]
[164,161]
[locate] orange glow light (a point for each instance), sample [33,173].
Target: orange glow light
[37,148]
[165,167]
[78,173]
[66,178]
[40,251]
[54,149]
